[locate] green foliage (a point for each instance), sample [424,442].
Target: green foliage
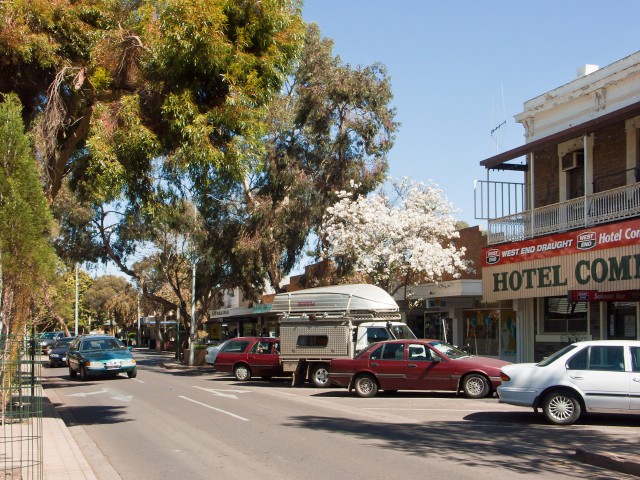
[142,109]
[333,126]
[112,298]
[27,260]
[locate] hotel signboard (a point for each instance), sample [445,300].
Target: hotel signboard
[602,259]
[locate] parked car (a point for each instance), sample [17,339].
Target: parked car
[593,376]
[247,357]
[416,365]
[47,339]
[91,355]
[58,352]
[212,353]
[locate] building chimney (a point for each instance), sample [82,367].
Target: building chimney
[587,69]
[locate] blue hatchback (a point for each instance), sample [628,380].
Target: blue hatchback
[92,355]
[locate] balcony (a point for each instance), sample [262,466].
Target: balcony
[583,212]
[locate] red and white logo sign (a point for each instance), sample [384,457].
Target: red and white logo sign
[492,256]
[586,241]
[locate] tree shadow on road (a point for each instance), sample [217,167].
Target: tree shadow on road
[516,441]
[92,415]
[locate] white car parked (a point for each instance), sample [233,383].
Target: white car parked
[595,376]
[212,353]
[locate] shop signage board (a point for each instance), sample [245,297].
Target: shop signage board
[594,239]
[599,259]
[595,296]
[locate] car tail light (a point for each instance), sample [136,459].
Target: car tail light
[504,377]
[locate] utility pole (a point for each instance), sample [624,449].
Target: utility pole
[192,349]
[76,324]
[138,330]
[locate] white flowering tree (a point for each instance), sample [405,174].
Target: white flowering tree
[398,241]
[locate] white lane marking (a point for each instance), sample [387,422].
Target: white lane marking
[221,393]
[84,394]
[109,391]
[139,381]
[119,396]
[214,408]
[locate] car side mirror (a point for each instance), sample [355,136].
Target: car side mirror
[130,348]
[437,358]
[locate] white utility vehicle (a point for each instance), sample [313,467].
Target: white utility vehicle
[320,324]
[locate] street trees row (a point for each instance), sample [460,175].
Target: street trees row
[208,132]
[206,136]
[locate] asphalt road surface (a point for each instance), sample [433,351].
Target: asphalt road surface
[200,424]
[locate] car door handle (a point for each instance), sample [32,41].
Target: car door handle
[576,377]
[374,364]
[412,365]
[636,379]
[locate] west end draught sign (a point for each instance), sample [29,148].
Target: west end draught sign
[602,258]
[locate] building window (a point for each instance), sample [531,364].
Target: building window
[573,164]
[637,166]
[621,321]
[564,317]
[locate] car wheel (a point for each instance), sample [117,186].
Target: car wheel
[133,373]
[320,375]
[72,373]
[366,386]
[562,407]
[83,373]
[475,386]
[242,372]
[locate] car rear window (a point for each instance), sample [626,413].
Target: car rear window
[393,351]
[235,346]
[635,359]
[554,356]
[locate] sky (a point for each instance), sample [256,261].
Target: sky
[459,69]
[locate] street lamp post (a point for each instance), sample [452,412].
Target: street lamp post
[192,346]
[192,352]
[76,315]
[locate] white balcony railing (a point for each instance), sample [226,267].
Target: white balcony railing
[583,212]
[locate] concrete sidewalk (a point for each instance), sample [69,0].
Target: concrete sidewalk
[61,456]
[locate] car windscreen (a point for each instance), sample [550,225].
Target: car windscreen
[48,335]
[553,357]
[449,350]
[100,344]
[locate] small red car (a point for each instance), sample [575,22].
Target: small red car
[416,365]
[250,356]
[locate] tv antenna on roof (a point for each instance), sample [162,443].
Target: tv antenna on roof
[497,133]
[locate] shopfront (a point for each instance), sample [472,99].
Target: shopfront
[573,286]
[228,323]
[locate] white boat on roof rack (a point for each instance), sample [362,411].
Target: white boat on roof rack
[335,299]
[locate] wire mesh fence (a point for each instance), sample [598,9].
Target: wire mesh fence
[21,408]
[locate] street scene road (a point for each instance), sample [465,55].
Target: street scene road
[197,423]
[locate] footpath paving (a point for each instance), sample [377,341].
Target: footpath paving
[61,456]
[63,459]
